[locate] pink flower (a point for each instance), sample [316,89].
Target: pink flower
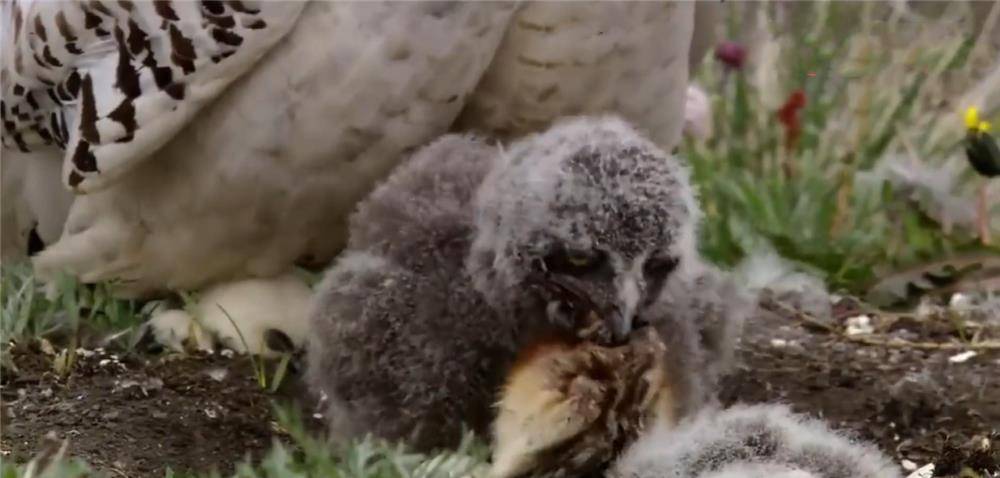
[731,54]
[697,114]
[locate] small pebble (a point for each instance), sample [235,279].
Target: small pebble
[46,347]
[984,444]
[217,374]
[779,343]
[962,357]
[927,309]
[859,324]
[926,471]
[909,465]
[959,302]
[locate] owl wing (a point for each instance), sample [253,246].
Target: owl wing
[111,82]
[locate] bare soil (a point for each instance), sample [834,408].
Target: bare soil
[914,403]
[138,416]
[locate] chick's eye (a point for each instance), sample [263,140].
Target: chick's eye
[659,267]
[578,259]
[573,261]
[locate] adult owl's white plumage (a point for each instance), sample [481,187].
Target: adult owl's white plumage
[109,82]
[625,57]
[265,175]
[277,117]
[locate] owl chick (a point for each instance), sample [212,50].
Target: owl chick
[568,409]
[756,441]
[455,263]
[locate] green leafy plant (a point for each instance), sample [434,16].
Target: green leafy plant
[817,200]
[66,312]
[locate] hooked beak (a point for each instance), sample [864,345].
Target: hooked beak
[620,325]
[567,302]
[623,317]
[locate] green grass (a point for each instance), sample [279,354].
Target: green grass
[887,90]
[69,315]
[28,311]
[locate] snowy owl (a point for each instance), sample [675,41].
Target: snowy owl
[457,261]
[755,441]
[174,145]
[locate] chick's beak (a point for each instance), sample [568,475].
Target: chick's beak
[622,319]
[620,325]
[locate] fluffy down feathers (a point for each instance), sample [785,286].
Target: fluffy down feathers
[750,442]
[402,346]
[702,296]
[411,343]
[427,197]
[588,182]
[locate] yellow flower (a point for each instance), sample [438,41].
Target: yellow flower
[972,118]
[972,121]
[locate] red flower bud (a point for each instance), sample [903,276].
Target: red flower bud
[788,115]
[731,54]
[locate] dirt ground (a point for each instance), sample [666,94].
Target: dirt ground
[914,403]
[135,417]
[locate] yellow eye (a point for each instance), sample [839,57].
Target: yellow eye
[574,261]
[578,260]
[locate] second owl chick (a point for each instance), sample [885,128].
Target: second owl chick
[757,441]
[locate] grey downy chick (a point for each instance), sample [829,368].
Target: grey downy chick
[756,441]
[418,322]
